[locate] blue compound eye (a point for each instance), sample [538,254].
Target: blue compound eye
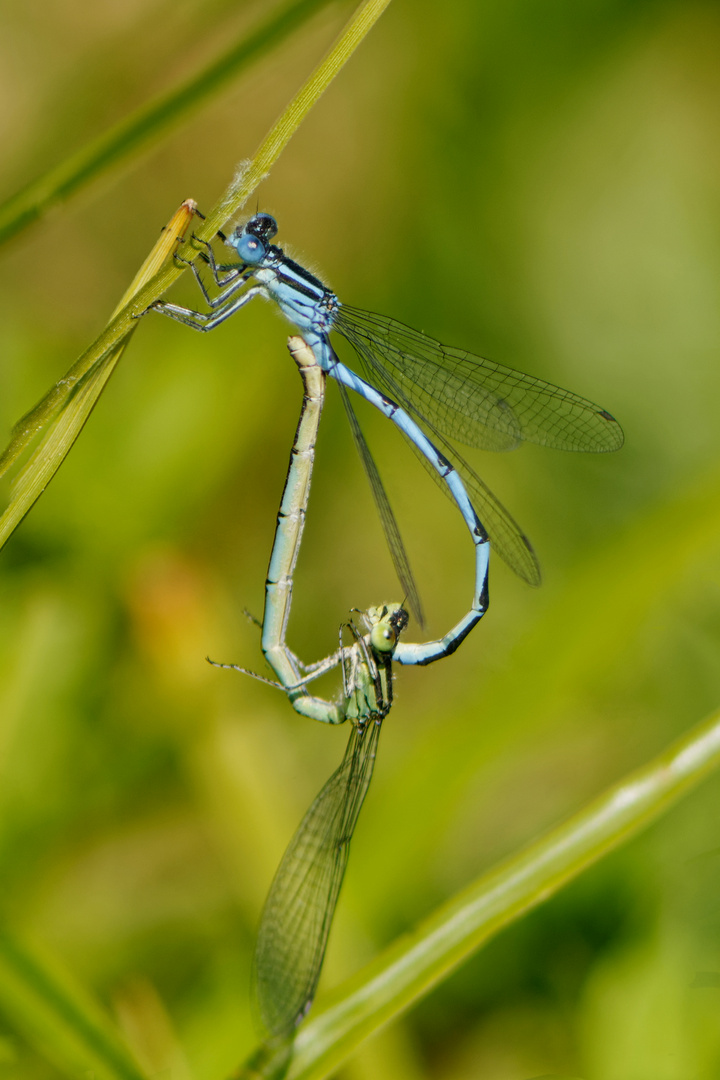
[251,249]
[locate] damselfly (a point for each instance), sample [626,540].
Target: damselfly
[298,913]
[433,393]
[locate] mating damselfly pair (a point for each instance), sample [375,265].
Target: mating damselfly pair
[433,394]
[430,392]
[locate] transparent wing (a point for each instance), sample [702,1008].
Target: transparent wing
[506,536]
[299,910]
[387,517]
[476,401]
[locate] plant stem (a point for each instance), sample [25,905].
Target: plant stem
[409,969]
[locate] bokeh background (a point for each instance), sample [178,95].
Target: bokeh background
[534,181]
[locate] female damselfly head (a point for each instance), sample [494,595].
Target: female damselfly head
[385,623]
[251,240]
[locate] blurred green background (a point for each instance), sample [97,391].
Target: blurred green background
[536,182]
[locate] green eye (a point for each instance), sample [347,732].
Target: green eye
[383,637]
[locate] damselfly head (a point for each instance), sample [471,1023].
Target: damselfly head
[385,624]
[252,240]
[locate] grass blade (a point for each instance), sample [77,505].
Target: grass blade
[149,124]
[57,1017]
[409,969]
[90,373]
[290,120]
[61,415]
